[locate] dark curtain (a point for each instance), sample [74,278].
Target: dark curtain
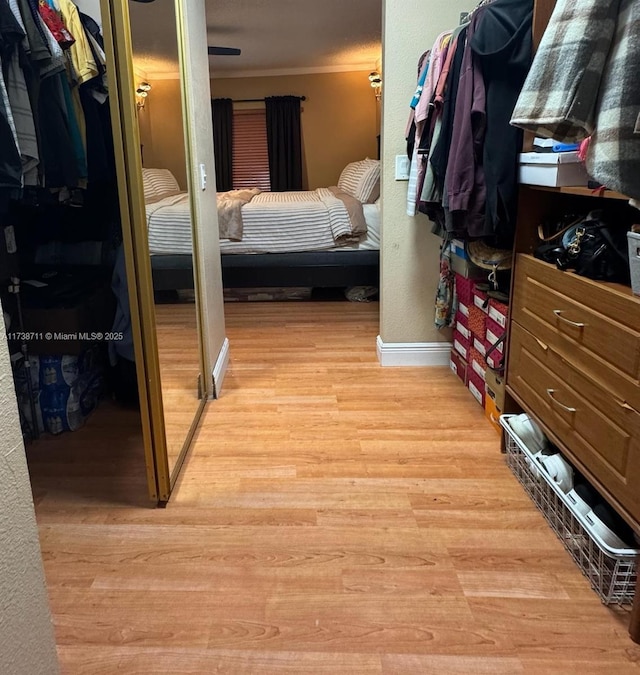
[284,142]
[222,114]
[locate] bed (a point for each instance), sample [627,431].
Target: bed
[326,238]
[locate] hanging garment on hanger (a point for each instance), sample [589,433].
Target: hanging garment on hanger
[21,104]
[55,24]
[83,62]
[10,164]
[465,176]
[430,192]
[502,45]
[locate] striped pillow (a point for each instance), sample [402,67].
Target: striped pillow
[361,180]
[158,184]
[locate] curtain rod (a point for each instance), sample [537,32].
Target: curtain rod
[260,100]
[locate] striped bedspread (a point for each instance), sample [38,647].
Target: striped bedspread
[272,222]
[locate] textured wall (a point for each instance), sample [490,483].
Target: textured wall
[338,119]
[410,252]
[27,643]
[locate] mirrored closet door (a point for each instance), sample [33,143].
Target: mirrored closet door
[155,180]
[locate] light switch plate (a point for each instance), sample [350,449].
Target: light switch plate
[402,167]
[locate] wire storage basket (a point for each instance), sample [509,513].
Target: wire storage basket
[611,572]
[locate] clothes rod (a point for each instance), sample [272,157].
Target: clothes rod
[260,100]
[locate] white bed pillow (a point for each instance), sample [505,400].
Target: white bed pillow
[361,180]
[158,184]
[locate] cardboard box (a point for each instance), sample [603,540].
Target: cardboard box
[459,366]
[492,413]
[495,387]
[552,169]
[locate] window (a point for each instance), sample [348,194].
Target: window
[250,154]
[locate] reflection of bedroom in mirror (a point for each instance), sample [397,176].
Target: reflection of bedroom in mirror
[296,124]
[157,73]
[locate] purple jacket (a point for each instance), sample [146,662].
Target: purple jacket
[464,180]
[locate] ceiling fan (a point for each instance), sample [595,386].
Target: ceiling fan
[223,51]
[213,50]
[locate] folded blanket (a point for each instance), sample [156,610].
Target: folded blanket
[230,211]
[358,225]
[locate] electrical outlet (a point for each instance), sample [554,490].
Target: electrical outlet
[402,167]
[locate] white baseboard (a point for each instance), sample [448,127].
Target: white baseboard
[220,368]
[413,353]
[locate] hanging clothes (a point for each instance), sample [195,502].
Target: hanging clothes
[464,180]
[502,46]
[584,82]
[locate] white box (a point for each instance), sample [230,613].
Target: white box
[552,169]
[634,260]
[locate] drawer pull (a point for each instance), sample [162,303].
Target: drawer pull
[542,345]
[626,406]
[551,395]
[575,324]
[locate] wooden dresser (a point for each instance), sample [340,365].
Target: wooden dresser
[574,356]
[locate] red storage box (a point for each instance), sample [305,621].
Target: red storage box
[462,325]
[477,362]
[480,345]
[480,297]
[476,386]
[498,312]
[461,344]
[477,322]
[459,366]
[493,334]
[494,360]
[464,289]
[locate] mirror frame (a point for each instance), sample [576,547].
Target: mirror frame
[126,136]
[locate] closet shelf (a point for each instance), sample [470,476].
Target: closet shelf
[580,191]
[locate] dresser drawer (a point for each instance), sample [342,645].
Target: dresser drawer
[594,326]
[597,428]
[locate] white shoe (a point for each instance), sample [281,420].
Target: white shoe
[559,469]
[606,535]
[528,431]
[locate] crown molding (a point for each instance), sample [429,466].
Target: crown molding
[279,72]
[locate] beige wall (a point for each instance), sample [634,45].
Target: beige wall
[198,115]
[410,253]
[27,643]
[161,129]
[338,120]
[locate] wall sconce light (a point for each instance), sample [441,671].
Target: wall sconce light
[142,92]
[376,82]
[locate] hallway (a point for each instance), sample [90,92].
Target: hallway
[333,517]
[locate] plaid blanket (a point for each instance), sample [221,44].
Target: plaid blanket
[584,82]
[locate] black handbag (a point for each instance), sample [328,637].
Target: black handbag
[591,247]
[598,251]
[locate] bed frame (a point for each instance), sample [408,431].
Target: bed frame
[315,269]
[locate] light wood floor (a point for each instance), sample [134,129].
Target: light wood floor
[179,358]
[333,517]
